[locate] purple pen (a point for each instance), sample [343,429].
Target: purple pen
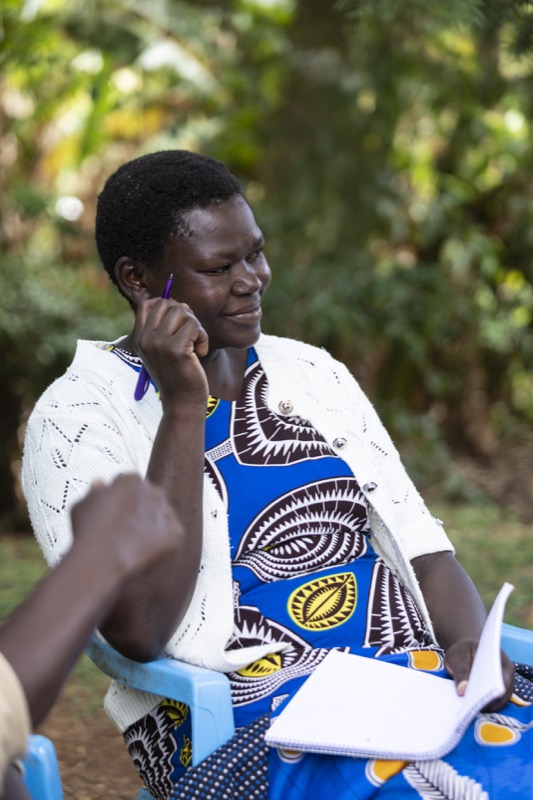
[143,381]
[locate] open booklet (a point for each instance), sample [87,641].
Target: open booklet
[357,706]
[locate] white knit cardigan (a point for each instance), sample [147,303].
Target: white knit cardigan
[87,425]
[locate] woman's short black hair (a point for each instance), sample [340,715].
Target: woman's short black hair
[144,202]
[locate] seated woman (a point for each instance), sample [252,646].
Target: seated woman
[303,531]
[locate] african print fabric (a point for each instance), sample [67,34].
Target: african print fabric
[306,579]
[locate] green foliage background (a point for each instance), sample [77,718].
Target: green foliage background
[385,146]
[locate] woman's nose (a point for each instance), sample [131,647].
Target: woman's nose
[248,279]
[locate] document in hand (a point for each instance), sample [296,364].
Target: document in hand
[357,706]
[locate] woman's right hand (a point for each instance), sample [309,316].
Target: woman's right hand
[170,340]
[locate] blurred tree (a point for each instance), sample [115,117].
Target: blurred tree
[83,87]
[410,214]
[384,145]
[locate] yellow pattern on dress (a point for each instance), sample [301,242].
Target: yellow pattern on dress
[324,603]
[262,667]
[378,771]
[175,711]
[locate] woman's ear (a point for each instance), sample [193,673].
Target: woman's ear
[132,278]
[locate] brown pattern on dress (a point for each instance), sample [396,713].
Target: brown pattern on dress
[321,525]
[211,470]
[394,623]
[264,438]
[151,745]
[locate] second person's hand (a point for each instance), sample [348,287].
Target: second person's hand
[132,518]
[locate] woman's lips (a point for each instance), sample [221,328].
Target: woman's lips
[249,314]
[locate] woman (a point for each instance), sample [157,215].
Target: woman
[303,531]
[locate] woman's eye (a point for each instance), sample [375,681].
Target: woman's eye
[256,255]
[219,270]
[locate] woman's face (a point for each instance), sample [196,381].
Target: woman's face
[220,271]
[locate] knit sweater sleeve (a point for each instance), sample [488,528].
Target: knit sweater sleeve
[79,431]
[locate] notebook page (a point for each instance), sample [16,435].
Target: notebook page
[362,706]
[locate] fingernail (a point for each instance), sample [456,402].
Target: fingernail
[461,688]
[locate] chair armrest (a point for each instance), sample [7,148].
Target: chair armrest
[206,692]
[518,643]
[41,770]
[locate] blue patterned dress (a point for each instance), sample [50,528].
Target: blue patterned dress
[307,578]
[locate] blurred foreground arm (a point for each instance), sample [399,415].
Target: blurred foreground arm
[120,530]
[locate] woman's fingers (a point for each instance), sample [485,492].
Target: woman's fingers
[170,339]
[458,662]
[165,322]
[155,313]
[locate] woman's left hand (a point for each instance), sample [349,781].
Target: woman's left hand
[458,662]
[458,617]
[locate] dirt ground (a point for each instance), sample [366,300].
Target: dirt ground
[93,760]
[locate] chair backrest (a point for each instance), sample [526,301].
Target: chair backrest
[41,769]
[518,643]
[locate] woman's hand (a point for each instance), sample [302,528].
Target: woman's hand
[458,616]
[458,662]
[170,340]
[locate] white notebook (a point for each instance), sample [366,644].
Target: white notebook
[357,706]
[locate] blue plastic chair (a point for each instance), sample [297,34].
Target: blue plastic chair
[518,644]
[207,693]
[41,769]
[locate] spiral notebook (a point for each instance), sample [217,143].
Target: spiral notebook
[357,706]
